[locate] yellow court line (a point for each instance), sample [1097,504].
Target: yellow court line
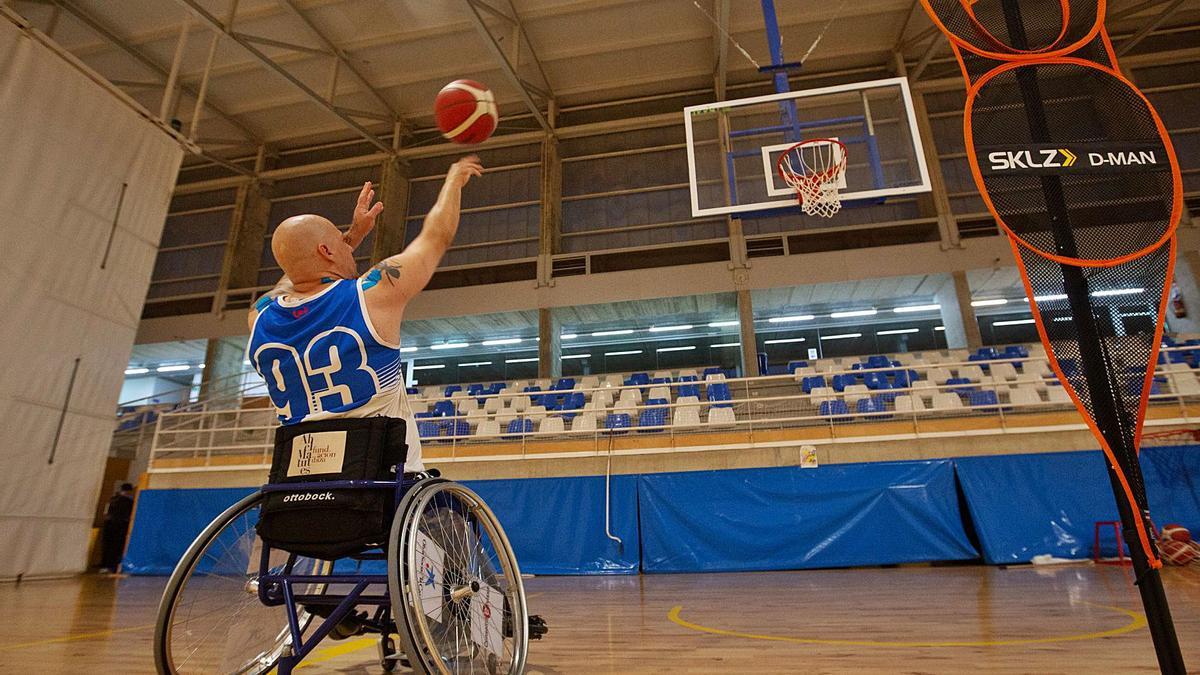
[73,638]
[330,653]
[1137,621]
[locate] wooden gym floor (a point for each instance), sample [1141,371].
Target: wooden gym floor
[1068,619]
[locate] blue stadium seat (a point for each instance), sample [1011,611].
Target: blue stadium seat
[474,389]
[873,406]
[444,408]
[615,422]
[964,390]
[689,389]
[857,366]
[1016,352]
[412,391]
[687,378]
[719,391]
[878,361]
[840,382]
[569,402]
[807,384]
[979,398]
[1134,386]
[640,379]
[564,384]
[426,429]
[876,381]
[450,389]
[519,426]
[653,417]
[455,428]
[905,378]
[793,366]
[661,380]
[835,409]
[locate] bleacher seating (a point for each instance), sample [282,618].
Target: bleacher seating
[861,389]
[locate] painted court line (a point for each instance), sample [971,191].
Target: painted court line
[1137,621]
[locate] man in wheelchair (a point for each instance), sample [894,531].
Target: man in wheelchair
[347,489]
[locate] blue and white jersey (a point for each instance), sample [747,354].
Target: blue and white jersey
[322,359]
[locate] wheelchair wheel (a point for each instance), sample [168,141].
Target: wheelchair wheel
[454,583]
[210,619]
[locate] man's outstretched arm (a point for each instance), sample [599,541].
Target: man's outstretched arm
[405,274]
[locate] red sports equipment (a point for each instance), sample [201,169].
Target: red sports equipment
[466,112]
[1178,552]
[1176,532]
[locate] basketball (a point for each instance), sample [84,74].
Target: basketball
[466,112]
[1178,552]
[1175,532]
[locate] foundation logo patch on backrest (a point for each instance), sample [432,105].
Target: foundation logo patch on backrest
[319,453]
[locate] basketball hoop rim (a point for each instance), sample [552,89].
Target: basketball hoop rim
[821,176]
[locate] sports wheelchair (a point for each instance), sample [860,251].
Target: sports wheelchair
[444,580]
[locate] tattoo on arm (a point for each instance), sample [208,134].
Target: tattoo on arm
[385,270]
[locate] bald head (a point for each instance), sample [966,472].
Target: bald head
[308,247]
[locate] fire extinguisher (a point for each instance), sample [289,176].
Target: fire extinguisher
[1178,306]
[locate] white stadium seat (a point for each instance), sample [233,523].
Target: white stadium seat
[1056,394]
[721,417]
[583,422]
[1003,370]
[908,404]
[686,417]
[488,428]
[946,401]
[855,392]
[551,425]
[1024,396]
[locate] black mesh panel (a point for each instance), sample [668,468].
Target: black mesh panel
[1118,204]
[1041,21]
[1128,288]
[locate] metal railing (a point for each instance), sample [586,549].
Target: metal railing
[760,412]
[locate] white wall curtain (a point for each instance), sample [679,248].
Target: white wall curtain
[71,292]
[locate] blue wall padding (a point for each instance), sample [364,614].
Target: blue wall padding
[781,518]
[1173,485]
[789,518]
[168,520]
[1027,505]
[556,525]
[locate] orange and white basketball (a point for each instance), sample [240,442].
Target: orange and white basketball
[1178,552]
[1176,532]
[466,112]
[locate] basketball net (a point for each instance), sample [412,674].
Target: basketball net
[814,174]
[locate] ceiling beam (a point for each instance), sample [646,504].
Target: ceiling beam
[215,24]
[527,94]
[934,44]
[1149,28]
[345,61]
[110,35]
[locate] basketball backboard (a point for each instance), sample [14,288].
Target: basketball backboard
[733,146]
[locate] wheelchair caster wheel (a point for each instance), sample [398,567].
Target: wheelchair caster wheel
[388,657]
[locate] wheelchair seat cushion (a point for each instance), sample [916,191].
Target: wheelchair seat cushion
[331,523]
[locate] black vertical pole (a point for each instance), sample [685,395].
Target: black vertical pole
[1098,369]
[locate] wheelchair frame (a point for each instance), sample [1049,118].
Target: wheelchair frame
[344,605]
[278,588]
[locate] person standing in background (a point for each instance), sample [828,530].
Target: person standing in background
[116,526]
